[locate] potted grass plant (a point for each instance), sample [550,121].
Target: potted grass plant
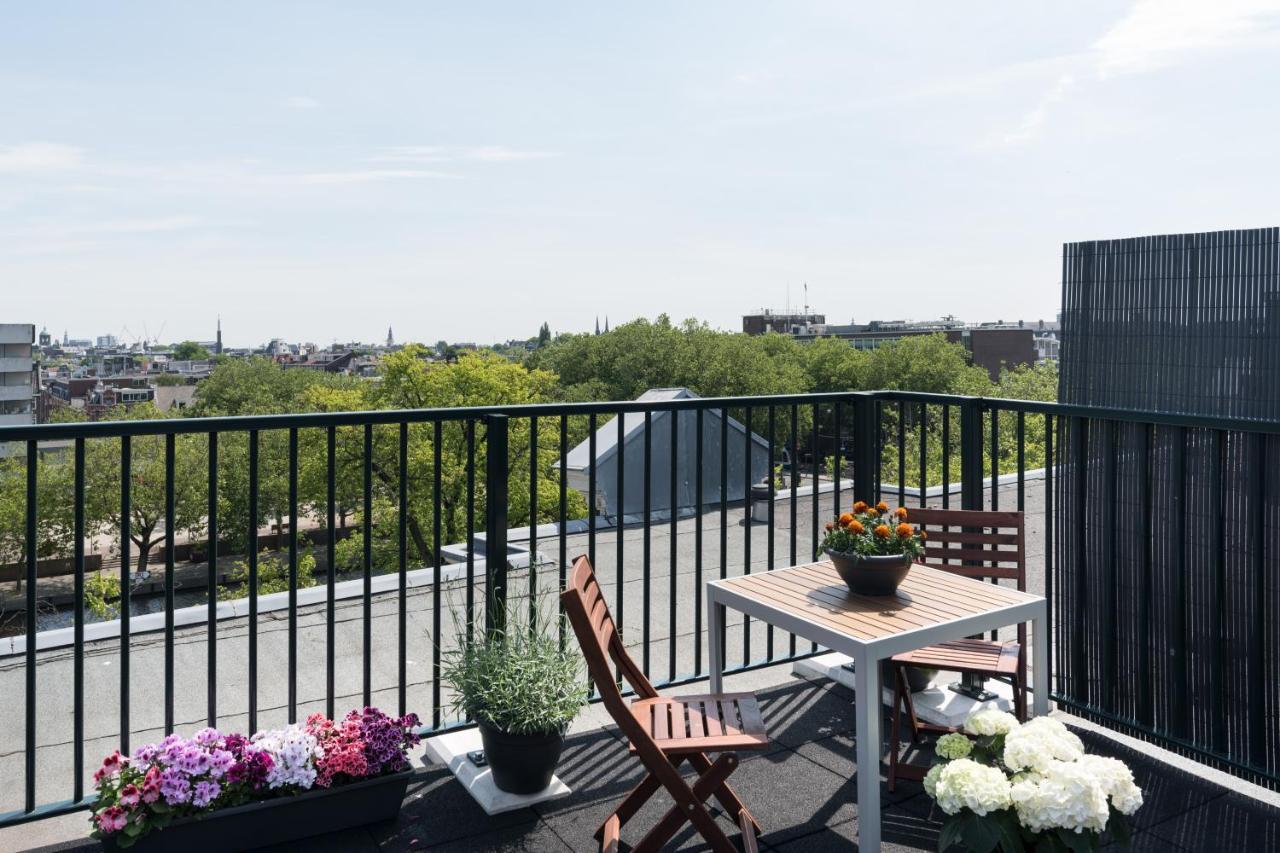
[523,688]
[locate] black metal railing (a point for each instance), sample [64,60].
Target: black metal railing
[446,475]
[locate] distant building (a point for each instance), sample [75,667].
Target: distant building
[17,395]
[391,339]
[785,323]
[46,339]
[107,342]
[330,362]
[92,395]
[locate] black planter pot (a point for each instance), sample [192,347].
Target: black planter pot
[319,811]
[874,575]
[521,764]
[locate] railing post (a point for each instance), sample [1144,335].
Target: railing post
[495,522]
[864,459]
[971,453]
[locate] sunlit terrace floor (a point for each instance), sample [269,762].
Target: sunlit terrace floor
[803,791]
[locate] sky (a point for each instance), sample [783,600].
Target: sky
[321,171]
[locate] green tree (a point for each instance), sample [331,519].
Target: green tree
[544,335]
[189,351]
[147,484]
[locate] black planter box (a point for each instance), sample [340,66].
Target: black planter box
[316,812]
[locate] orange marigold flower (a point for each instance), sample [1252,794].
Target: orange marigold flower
[871,511]
[882,530]
[845,518]
[855,526]
[923,533]
[830,527]
[904,530]
[901,512]
[882,507]
[860,506]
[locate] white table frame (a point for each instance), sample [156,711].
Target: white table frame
[867,655]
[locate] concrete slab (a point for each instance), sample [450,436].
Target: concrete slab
[451,750]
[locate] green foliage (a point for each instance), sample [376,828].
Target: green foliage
[520,680]
[273,575]
[166,379]
[384,544]
[189,351]
[100,590]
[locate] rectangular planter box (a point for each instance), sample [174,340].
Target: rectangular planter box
[316,812]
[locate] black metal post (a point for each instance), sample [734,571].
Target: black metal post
[495,522]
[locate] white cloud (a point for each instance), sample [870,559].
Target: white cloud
[302,102]
[446,154]
[34,157]
[1156,34]
[366,176]
[1159,33]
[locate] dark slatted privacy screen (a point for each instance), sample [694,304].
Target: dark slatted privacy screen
[1167,537]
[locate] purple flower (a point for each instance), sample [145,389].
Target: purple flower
[207,737]
[251,770]
[193,760]
[220,761]
[175,787]
[145,754]
[205,793]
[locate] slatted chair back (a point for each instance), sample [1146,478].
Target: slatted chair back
[602,647]
[976,544]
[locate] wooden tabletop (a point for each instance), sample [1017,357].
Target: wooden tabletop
[926,597]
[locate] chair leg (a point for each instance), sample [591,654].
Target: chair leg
[911,708]
[632,803]
[727,796]
[690,808]
[1019,698]
[895,729]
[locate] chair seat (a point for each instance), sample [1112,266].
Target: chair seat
[982,656]
[718,722]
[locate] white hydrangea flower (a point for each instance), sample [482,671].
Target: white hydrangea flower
[1033,745]
[1066,795]
[953,745]
[990,721]
[964,783]
[293,751]
[931,780]
[1116,780]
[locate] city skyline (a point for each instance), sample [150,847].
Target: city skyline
[316,173]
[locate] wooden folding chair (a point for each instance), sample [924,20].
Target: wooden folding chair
[664,732]
[984,545]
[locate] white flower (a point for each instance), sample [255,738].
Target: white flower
[965,783]
[1033,745]
[931,780]
[1116,780]
[953,745]
[1066,795]
[990,721]
[293,752]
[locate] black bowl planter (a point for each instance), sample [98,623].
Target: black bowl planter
[288,818]
[521,764]
[874,575]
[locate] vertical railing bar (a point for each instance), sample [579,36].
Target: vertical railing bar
[946,456]
[619,570]
[747,519]
[1258,728]
[1221,659]
[773,495]
[169,465]
[794,466]
[1079,673]
[293,575]
[331,539]
[253,579]
[1022,460]
[1107,592]
[471,530]
[77,675]
[564,512]
[697,543]
[879,441]
[32,578]
[1044,680]
[995,458]
[126,584]
[591,490]
[211,580]
[813,548]
[902,452]
[402,615]
[533,520]
[672,633]
[1146,585]
[647,510]
[923,484]
[437,641]
[838,433]
[366,643]
[724,516]
[1181,665]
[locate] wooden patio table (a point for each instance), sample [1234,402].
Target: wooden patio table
[931,606]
